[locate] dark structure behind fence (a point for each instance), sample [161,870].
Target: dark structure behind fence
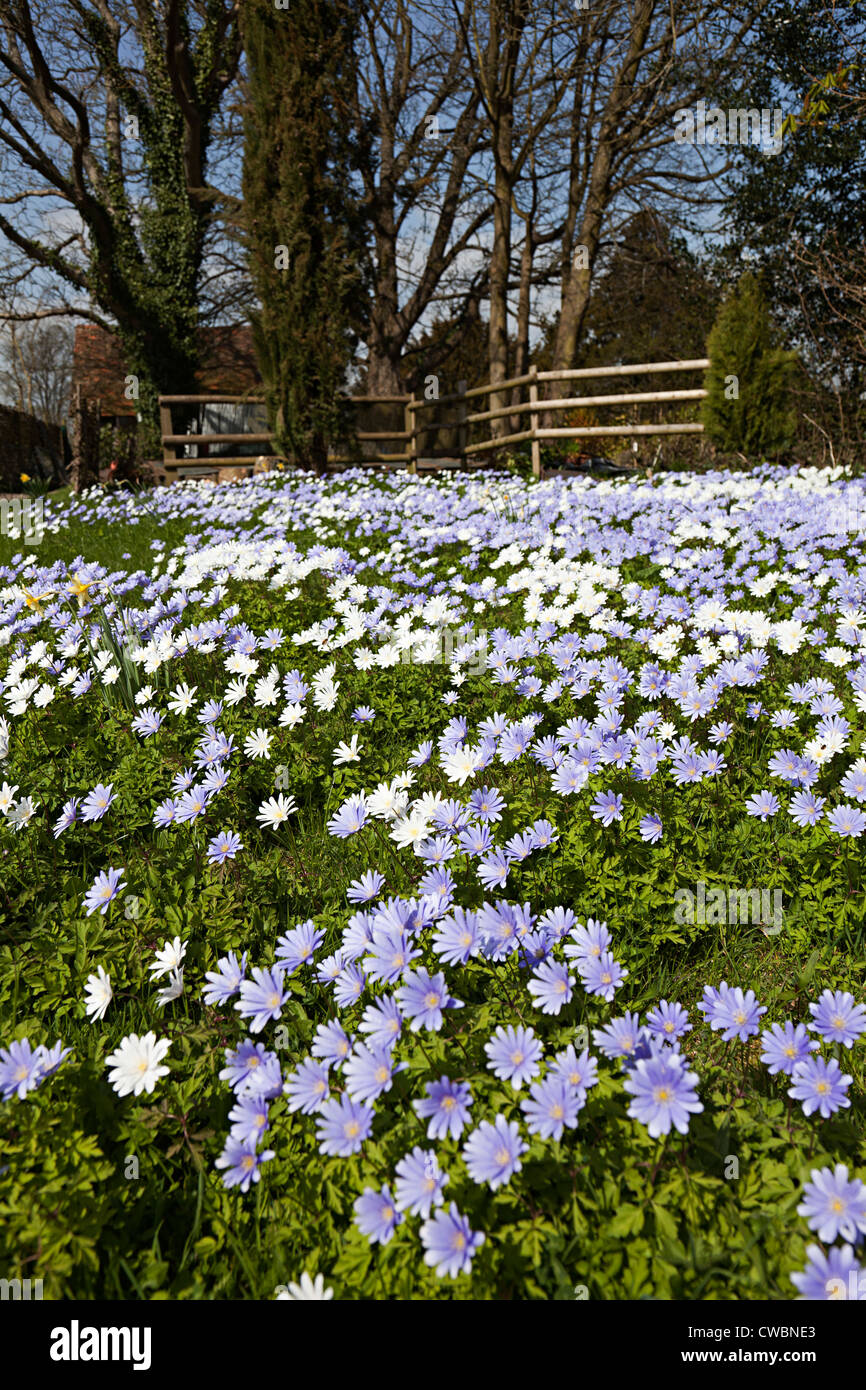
[30,446]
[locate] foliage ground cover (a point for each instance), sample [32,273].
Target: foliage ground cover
[374,853]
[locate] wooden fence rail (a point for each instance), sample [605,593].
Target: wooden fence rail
[415,425]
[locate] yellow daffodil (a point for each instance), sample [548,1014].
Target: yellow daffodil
[81,589]
[35,601]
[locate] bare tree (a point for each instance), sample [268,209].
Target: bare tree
[580,107]
[412,83]
[837,269]
[106,115]
[639,64]
[840,274]
[494,52]
[36,368]
[513,139]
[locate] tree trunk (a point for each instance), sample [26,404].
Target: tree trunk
[576,298]
[521,356]
[507,20]
[386,336]
[318,452]
[500,262]
[576,282]
[383,373]
[84,441]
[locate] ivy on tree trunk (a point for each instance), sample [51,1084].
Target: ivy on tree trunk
[305,220]
[138,185]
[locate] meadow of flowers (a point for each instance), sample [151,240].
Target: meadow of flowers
[348,833]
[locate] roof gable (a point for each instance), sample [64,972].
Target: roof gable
[228,365]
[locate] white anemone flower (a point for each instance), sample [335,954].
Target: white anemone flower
[135,1065]
[306,1288]
[169,958]
[173,990]
[276,810]
[258,744]
[181,700]
[97,994]
[347,752]
[410,830]
[292,715]
[22,813]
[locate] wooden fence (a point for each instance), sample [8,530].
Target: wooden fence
[538,407]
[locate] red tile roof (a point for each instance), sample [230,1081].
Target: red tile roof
[228,365]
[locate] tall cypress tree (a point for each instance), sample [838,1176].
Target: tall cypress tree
[305,221]
[748,407]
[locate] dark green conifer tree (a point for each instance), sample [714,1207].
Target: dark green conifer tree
[749,406]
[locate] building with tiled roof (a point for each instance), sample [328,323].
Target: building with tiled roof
[228,366]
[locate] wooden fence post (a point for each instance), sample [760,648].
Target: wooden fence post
[169,451]
[533,422]
[412,441]
[462,426]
